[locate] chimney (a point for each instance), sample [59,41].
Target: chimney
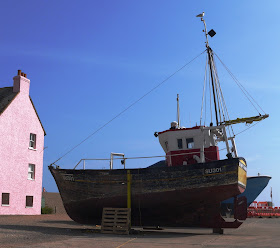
[21,83]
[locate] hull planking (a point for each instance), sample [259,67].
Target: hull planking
[186,195]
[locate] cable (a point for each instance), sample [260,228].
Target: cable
[247,128]
[210,92]
[127,108]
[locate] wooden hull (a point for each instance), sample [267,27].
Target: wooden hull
[168,196]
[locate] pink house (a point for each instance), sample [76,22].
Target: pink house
[21,150]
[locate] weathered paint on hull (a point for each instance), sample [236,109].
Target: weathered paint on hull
[170,196]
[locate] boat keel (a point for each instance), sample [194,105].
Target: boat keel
[216,221]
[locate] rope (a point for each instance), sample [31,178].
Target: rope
[222,99]
[127,108]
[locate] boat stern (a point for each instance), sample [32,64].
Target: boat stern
[242,175]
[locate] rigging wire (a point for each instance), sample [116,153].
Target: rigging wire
[222,100]
[242,88]
[247,128]
[210,92]
[127,108]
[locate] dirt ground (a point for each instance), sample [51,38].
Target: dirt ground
[16,231]
[46,231]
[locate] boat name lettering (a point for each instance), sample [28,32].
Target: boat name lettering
[213,170]
[68,177]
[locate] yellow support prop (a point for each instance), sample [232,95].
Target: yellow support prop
[128,189]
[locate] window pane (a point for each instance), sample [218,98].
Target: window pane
[5,198]
[180,143]
[29,201]
[31,171]
[190,143]
[31,167]
[30,175]
[32,142]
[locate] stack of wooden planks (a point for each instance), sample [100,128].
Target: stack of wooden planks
[116,220]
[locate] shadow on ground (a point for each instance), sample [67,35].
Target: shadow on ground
[78,231]
[63,222]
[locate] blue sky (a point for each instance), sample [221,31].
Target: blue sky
[89,60]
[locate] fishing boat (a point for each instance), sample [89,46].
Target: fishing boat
[185,190]
[255,185]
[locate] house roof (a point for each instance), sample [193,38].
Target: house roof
[7,96]
[37,115]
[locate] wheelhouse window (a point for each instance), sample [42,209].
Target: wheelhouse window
[31,171]
[180,143]
[29,201]
[32,141]
[5,199]
[190,143]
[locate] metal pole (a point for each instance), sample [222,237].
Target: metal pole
[128,189]
[111,161]
[84,165]
[271,196]
[234,146]
[205,31]
[178,111]
[209,51]
[202,157]
[226,139]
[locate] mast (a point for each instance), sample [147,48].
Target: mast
[221,112]
[209,51]
[210,62]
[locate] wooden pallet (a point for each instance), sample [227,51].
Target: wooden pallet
[116,220]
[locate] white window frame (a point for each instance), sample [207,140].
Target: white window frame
[31,172]
[32,141]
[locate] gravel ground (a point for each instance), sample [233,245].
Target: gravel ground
[48,231]
[18,231]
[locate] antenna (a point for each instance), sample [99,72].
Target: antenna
[211,32]
[178,111]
